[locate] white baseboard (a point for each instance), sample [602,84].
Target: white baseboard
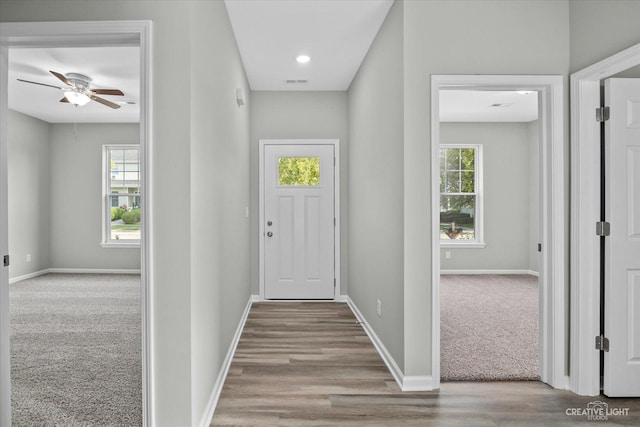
[72,271]
[417,383]
[93,271]
[406,383]
[28,276]
[529,272]
[207,416]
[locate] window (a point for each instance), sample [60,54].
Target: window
[299,171]
[461,195]
[121,199]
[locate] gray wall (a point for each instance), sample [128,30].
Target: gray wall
[299,115]
[189,37]
[602,28]
[29,194]
[76,196]
[508,184]
[376,202]
[482,37]
[389,106]
[56,195]
[219,180]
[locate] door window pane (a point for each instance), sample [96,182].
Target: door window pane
[299,171]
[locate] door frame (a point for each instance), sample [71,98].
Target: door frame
[336,205]
[585,212]
[83,33]
[552,351]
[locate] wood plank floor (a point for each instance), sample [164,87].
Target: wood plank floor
[311,364]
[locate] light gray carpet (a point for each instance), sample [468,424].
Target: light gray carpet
[76,351]
[489,327]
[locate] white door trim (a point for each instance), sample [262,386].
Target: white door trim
[336,182]
[84,33]
[552,194]
[585,212]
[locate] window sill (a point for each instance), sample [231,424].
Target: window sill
[111,245]
[461,245]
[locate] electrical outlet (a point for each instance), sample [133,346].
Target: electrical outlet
[28,257]
[447,254]
[379,308]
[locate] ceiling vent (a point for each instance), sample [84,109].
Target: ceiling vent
[296,81]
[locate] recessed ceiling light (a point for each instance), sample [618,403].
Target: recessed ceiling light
[303,59]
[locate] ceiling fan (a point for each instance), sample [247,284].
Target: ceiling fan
[78,92]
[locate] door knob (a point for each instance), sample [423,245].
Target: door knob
[269,234]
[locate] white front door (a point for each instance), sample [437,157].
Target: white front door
[299,222]
[622,247]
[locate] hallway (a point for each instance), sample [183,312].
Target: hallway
[311,363]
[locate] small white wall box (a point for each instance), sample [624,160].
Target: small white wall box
[239,97]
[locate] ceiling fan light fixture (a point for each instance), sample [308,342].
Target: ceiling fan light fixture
[77,98]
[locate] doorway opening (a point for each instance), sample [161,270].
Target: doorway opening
[85,34]
[551,222]
[489,235]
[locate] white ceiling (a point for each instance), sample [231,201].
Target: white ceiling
[335,34]
[108,67]
[487,106]
[270,34]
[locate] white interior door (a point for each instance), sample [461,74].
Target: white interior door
[622,247]
[299,222]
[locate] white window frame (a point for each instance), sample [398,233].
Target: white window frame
[107,242]
[478,242]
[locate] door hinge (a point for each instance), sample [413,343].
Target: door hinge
[334,283]
[6,260]
[602,343]
[539,247]
[603,228]
[602,114]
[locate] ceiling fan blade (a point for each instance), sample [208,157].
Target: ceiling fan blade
[64,99]
[62,78]
[36,83]
[104,101]
[107,92]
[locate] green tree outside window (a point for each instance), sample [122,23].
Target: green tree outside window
[299,171]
